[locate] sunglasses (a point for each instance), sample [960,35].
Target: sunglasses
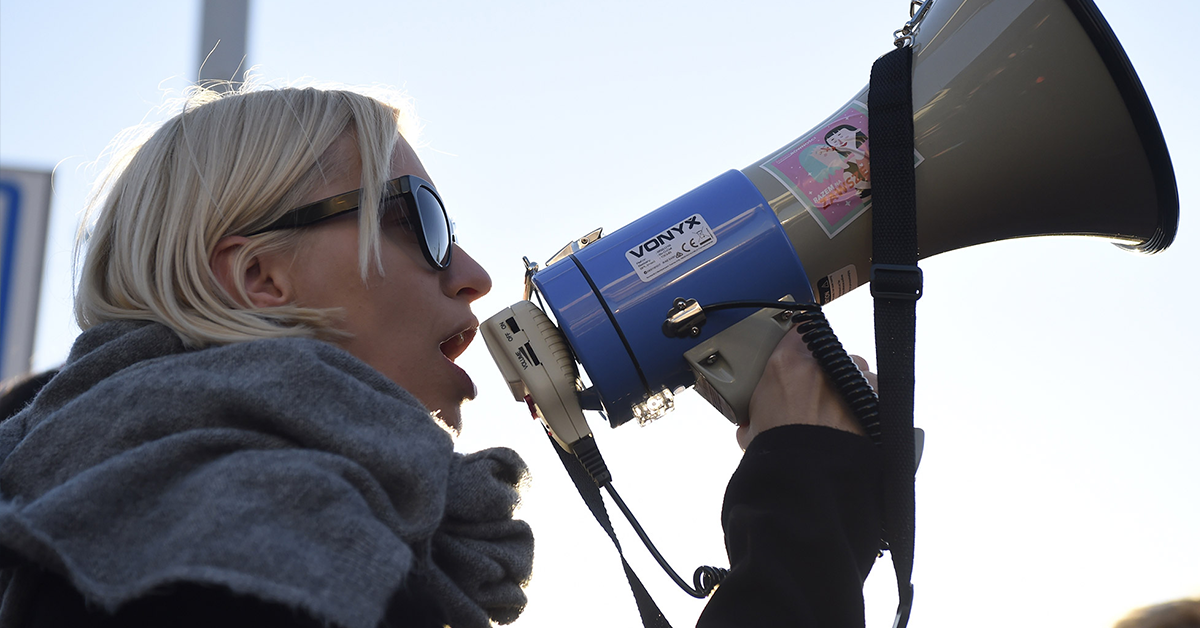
[410,200]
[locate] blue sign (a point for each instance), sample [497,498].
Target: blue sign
[24,213]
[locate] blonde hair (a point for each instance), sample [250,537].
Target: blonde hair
[228,164]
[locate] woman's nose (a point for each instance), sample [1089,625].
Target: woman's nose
[466,277]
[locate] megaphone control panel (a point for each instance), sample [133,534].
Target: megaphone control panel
[539,368]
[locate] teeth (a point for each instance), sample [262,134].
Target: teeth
[461,338]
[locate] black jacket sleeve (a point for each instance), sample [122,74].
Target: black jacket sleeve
[802,526]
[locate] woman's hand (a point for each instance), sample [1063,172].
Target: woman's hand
[794,390]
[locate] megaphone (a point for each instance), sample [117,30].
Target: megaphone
[1029,120]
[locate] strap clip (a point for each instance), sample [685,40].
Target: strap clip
[896,281]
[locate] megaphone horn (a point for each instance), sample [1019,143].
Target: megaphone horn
[1029,120]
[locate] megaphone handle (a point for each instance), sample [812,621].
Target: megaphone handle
[814,328]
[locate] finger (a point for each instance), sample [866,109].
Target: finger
[863,366]
[861,362]
[743,436]
[794,343]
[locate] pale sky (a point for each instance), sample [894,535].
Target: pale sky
[1053,375]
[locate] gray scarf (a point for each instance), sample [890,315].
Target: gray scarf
[283,469]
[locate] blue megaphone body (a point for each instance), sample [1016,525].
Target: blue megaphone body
[721,242]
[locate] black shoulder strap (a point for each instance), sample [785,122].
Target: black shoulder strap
[652,617]
[896,284]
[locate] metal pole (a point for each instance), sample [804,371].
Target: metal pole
[222,59]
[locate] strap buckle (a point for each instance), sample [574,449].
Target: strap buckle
[896,281]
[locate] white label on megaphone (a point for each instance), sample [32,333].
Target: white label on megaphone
[837,283]
[671,247]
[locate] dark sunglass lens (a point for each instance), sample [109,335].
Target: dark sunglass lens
[393,210]
[435,224]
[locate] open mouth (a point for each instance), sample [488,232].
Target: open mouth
[454,346]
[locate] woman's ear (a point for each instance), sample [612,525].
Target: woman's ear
[265,277]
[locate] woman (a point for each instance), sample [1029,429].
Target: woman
[252,428]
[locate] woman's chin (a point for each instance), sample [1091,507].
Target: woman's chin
[451,420]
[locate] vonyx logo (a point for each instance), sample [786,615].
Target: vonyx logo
[689,224]
[674,246]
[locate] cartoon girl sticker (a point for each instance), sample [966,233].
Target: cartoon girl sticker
[847,143]
[828,170]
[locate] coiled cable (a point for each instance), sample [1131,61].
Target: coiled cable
[705,578]
[842,372]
